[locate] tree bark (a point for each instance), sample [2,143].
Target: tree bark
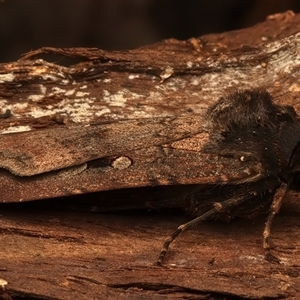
[51,253]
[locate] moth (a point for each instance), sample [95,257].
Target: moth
[238,159]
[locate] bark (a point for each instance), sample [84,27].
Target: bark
[50,253]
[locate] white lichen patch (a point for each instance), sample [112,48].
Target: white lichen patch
[189,64]
[3,283]
[60,91]
[173,84]
[155,95]
[17,108]
[195,81]
[65,81]
[81,94]
[38,112]
[7,77]
[102,112]
[168,72]
[294,88]
[35,98]
[43,89]
[56,90]
[176,83]
[121,163]
[78,110]
[51,77]
[15,129]
[38,70]
[106,80]
[119,98]
[133,76]
[70,92]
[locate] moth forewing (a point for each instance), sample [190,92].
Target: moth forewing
[151,166]
[41,151]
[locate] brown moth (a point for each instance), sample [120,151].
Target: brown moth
[237,159]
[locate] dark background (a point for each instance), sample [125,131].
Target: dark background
[122,24]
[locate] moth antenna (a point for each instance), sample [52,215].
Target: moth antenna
[218,207]
[275,207]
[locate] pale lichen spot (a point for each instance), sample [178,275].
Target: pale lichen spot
[16,109]
[3,103]
[70,92]
[294,87]
[43,89]
[107,80]
[57,90]
[120,98]
[168,72]
[50,77]
[3,283]
[65,81]
[35,98]
[82,94]
[121,163]
[7,77]
[195,81]
[156,95]
[133,76]
[39,70]
[103,111]
[79,110]
[15,129]
[37,112]
[189,64]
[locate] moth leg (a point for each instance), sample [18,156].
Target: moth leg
[276,204]
[218,206]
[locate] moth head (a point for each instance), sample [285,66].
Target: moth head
[247,109]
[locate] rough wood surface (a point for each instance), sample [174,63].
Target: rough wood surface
[49,253]
[58,254]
